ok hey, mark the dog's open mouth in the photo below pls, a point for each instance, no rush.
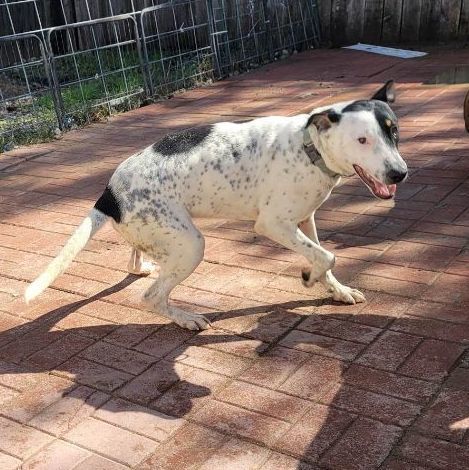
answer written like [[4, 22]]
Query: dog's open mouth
[[381, 190]]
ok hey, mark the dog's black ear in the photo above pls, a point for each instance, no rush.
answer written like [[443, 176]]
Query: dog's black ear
[[386, 93], [323, 120]]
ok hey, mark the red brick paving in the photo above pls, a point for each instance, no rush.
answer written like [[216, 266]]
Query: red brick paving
[[286, 379]]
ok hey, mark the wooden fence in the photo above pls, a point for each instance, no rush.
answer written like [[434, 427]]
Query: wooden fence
[[342, 21], [393, 21]]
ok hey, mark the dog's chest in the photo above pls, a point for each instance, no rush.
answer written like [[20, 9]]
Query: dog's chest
[[299, 193]]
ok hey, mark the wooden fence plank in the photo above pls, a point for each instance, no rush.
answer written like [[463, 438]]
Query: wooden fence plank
[[411, 20], [463, 29], [121, 6], [339, 22], [373, 20], [426, 32], [435, 19], [392, 17], [325, 9], [69, 11], [355, 20], [450, 11], [354, 26]]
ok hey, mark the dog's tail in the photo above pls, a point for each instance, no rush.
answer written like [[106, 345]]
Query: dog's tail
[[90, 225]]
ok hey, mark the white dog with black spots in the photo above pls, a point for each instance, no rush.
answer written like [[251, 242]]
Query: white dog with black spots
[[275, 171]]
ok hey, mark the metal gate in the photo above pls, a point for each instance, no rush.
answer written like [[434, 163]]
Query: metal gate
[[248, 33], [58, 77], [97, 68], [177, 46]]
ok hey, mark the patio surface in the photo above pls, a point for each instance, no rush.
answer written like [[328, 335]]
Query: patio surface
[[286, 379]]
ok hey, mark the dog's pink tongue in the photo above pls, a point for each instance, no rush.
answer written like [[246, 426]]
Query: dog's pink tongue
[[382, 190]]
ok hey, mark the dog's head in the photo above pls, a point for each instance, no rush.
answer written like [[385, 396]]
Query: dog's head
[[362, 137]]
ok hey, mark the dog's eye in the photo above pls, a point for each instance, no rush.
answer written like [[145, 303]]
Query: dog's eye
[[362, 140]]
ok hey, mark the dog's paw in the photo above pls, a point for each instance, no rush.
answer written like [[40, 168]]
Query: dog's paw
[[191, 321], [347, 295]]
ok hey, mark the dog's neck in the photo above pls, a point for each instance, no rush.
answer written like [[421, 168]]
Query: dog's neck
[[315, 157]]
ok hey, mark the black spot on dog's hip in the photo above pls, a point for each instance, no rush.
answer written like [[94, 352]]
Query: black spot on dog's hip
[[181, 142], [108, 205]]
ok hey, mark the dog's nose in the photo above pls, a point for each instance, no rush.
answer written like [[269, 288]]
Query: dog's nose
[[396, 176]]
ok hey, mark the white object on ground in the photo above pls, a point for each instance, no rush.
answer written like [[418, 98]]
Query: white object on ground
[[401, 53]]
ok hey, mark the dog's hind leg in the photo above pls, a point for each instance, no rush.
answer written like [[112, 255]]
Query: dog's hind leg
[[340, 292], [178, 251], [138, 266]]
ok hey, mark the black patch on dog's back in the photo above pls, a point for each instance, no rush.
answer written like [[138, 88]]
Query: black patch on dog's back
[[382, 113], [181, 142], [108, 205]]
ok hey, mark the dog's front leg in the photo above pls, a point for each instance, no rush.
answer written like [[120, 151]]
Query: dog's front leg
[[288, 234], [340, 292]]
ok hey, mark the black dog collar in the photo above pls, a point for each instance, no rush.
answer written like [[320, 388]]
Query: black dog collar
[[316, 157]]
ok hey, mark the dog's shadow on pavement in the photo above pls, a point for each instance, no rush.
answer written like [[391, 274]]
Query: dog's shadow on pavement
[[329, 387]]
